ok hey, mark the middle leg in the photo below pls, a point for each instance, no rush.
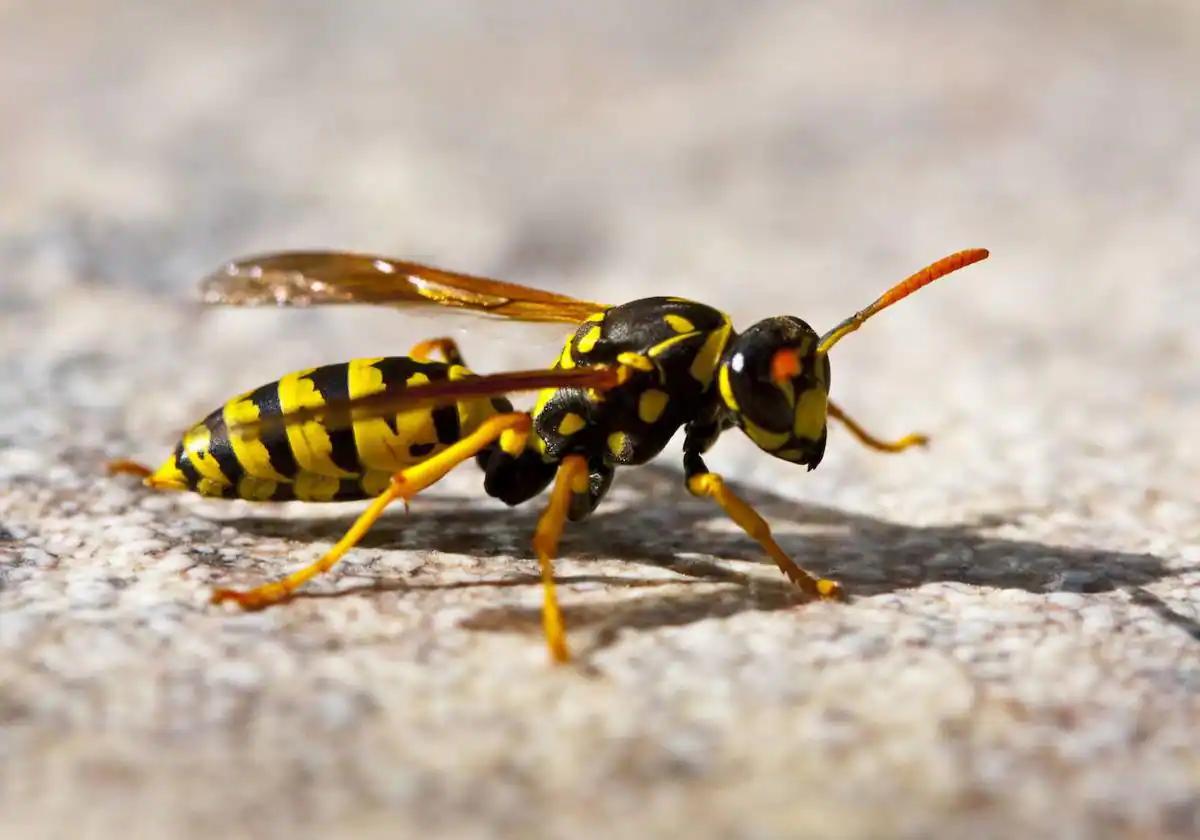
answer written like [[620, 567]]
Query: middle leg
[[701, 482], [446, 347], [570, 484]]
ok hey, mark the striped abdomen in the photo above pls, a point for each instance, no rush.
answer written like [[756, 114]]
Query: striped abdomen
[[308, 461]]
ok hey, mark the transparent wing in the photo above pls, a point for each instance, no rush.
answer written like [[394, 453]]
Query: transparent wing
[[309, 278]]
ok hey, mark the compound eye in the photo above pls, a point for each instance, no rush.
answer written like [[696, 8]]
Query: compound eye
[[758, 397]]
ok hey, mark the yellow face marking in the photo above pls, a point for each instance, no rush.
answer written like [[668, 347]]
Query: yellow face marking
[[618, 444], [705, 364], [587, 342], [764, 439], [810, 414], [250, 452], [570, 424], [309, 441], [651, 405], [595, 317], [679, 323], [636, 361], [255, 489], [314, 487], [726, 389]]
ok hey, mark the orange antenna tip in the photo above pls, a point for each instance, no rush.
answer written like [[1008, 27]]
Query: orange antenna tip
[[900, 291]]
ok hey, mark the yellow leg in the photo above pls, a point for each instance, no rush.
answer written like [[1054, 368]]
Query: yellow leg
[[447, 348], [867, 439], [404, 485], [711, 485], [572, 478], [124, 466]]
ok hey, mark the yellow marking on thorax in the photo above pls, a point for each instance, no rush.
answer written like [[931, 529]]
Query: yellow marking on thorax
[[250, 452], [636, 361], [664, 346], [651, 405], [705, 364], [570, 424], [566, 361], [679, 323], [587, 342], [810, 414], [309, 440]]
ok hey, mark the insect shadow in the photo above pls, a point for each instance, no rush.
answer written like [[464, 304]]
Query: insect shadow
[[654, 521]]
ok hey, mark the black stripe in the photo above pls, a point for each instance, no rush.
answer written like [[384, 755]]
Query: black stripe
[[445, 423], [349, 490], [184, 464], [333, 384], [397, 370], [274, 438], [420, 450], [221, 449]]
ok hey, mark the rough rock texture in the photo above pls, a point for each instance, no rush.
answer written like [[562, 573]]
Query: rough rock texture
[[1022, 655]]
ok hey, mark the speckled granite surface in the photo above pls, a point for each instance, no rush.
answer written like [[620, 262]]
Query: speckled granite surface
[[1022, 655]]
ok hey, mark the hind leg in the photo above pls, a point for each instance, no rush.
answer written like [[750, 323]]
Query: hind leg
[[404, 485], [124, 466], [447, 348]]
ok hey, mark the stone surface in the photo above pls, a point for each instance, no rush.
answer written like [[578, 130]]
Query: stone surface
[[1021, 654]]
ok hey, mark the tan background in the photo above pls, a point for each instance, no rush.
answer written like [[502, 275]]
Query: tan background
[[1021, 658]]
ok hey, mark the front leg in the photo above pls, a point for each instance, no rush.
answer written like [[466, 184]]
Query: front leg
[[871, 441], [701, 482]]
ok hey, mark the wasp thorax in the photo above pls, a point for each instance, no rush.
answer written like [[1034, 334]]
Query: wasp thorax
[[775, 384]]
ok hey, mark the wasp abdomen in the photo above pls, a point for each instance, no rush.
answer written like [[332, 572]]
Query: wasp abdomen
[[312, 460]]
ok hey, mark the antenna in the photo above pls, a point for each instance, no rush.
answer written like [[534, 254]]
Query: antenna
[[900, 291]]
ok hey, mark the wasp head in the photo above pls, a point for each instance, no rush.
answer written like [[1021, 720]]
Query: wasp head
[[776, 385]]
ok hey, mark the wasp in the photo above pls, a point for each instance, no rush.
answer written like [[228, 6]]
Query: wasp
[[628, 378]]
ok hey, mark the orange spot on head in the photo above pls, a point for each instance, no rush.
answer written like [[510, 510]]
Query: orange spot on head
[[785, 365]]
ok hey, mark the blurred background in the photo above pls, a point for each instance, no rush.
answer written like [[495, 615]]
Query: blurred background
[[763, 157]]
